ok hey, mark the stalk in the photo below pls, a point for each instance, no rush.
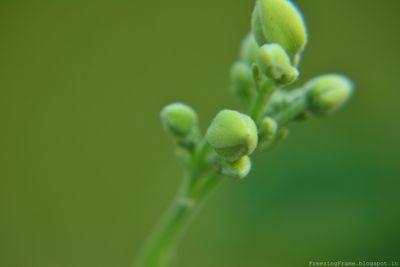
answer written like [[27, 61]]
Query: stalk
[[196, 186], [298, 106]]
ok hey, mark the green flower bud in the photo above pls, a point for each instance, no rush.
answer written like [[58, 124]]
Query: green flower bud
[[328, 93], [242, 81], [268, 131], [279, 21], [236, 169], [275, 64], [179, 120], [249, 49], [232, 135]]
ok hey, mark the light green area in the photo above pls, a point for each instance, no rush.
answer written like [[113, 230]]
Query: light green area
[[237, 169], [275, 63], [277, 21], [179, 120], [328, 93], [232, 134]]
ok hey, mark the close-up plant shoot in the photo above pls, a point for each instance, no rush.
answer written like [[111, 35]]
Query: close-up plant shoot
[[263, 80]]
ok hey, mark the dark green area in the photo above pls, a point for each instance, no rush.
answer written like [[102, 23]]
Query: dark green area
[[86, 170]]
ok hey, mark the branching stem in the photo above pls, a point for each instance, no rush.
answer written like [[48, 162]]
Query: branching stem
[[265, 89], [199, 181], [297, 107]]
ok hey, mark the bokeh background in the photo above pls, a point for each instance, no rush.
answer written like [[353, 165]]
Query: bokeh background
[[86, 170]]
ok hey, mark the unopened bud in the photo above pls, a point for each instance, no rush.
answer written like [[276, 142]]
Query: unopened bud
[[328, 93], [232, 135], [268, 131], [276, 65], [236, 169], [242, 81], [179, 120], [279, 21], [249, 49]]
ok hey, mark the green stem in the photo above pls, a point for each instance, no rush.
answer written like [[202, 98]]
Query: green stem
[[259, 106], [196, 186], [265, 88], [297, 107]]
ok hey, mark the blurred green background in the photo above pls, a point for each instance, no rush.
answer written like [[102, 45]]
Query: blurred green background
[[86, 170]]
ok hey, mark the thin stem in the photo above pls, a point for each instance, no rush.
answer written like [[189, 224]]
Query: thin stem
[[197, 184], [297, 107], [265, 88], [160, 248], [259, 106]]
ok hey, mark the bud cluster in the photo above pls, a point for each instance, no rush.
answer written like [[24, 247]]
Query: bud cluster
[[268, 63]]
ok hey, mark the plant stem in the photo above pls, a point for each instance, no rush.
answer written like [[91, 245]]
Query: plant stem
[[196, 186], [259, 106], [265, 88], [297, 107]]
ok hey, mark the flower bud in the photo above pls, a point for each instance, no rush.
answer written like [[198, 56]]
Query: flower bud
[[236, 169], [268, 131], [275, 64], [279, 21], [328, 93], [242, 81], [179, 120], [232, 135], [249, 49]]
